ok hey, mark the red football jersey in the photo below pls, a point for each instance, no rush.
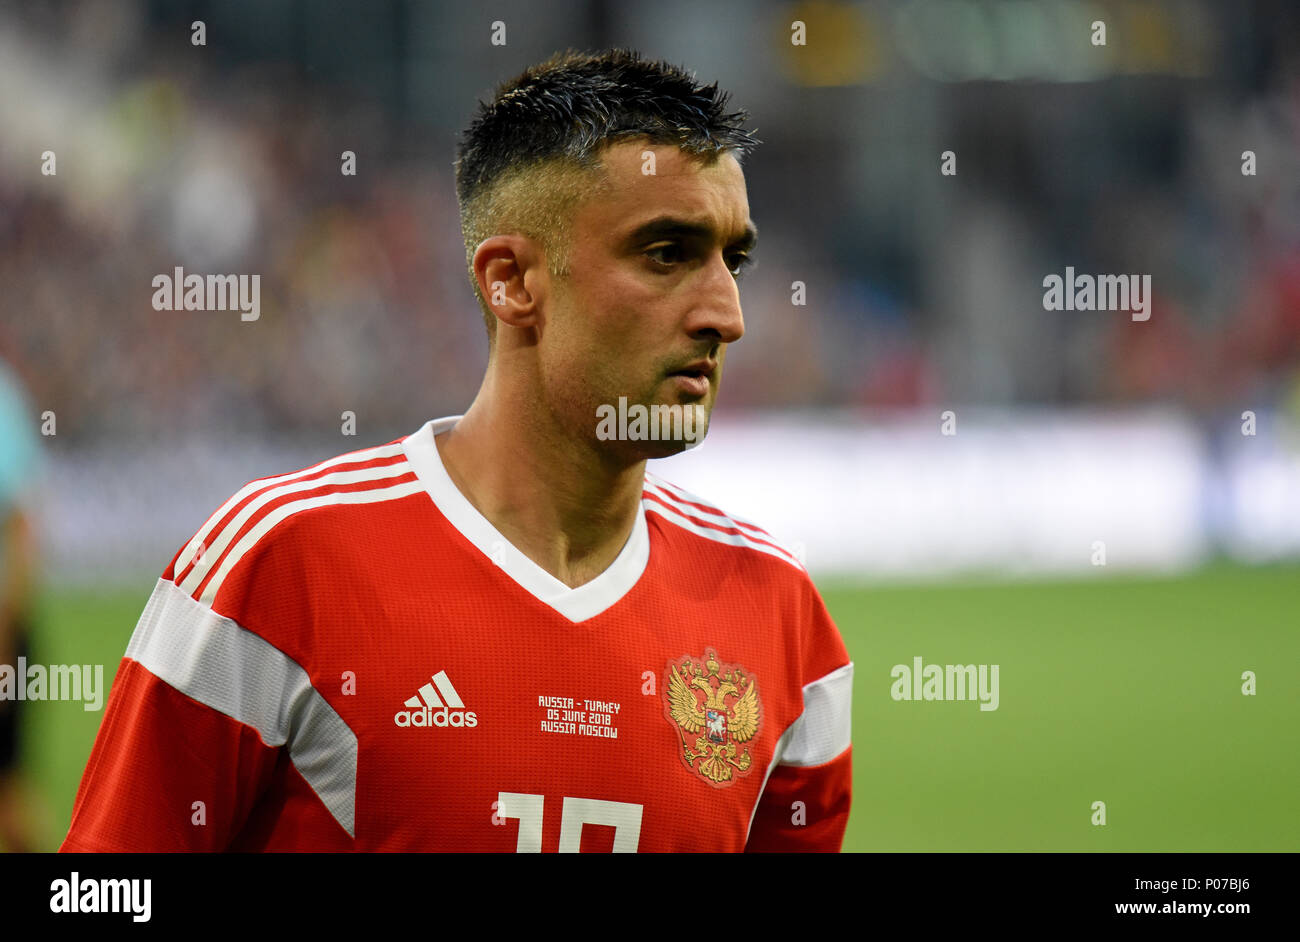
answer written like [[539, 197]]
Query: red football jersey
[[351, 657]]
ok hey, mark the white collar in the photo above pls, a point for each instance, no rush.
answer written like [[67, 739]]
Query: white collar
[[587, 600]]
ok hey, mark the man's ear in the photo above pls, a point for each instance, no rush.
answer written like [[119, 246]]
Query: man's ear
[[506, 267]]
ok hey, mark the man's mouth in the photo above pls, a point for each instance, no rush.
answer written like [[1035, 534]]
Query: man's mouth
[[693, 379], [700, 369]]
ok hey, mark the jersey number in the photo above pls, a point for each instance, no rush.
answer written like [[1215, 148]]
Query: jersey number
[[624, 818]]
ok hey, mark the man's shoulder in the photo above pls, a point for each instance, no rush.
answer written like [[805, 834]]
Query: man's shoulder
[[281, 510], [706, 525]]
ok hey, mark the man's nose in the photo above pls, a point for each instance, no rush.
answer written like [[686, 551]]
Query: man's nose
[[718, 314]]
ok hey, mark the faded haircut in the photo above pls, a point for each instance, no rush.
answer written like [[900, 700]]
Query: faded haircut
[[532, 153]]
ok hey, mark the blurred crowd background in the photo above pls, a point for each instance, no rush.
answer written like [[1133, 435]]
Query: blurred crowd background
[[922, 289]]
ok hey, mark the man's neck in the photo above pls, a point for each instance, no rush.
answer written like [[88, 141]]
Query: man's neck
[[555, 500]]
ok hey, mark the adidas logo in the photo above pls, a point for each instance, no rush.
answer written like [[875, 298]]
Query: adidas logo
[[428, 709]]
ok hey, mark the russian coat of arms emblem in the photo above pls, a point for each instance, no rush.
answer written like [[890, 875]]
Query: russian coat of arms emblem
[[716, 712]]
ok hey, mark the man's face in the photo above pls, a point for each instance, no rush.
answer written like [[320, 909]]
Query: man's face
[[650, 302]]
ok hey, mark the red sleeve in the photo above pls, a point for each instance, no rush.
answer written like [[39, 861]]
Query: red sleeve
[[804, 808], [805, 802], [166, 773]]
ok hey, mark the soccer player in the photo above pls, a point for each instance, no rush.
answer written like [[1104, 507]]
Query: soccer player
[[500, 632]]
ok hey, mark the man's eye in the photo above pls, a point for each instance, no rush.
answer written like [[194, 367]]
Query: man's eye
[[672, 253], [738, 262], [669, 254]]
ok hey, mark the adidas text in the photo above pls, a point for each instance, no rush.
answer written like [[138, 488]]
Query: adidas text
[[441, 718]]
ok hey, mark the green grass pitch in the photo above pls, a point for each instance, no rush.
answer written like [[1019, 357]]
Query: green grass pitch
[[1121, 690]]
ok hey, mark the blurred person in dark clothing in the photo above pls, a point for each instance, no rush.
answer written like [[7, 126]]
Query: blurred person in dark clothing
[[18, 456]]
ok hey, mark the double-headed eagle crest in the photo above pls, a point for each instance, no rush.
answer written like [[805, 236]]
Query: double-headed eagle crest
[[715, 705]]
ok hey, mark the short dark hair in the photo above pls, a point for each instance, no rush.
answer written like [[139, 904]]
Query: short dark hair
[[556, 117]]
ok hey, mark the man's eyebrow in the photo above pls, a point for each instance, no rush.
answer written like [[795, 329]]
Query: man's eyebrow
[[663, 227]]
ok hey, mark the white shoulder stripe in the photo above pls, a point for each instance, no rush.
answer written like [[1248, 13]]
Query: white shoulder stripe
[[672, 492], [823, 730], [211, 659], [732, 539], [213, 552], [264, 525], [252, 487]]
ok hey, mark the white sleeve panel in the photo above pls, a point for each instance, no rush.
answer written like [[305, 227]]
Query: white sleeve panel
[[213, 660], [822, 732]]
